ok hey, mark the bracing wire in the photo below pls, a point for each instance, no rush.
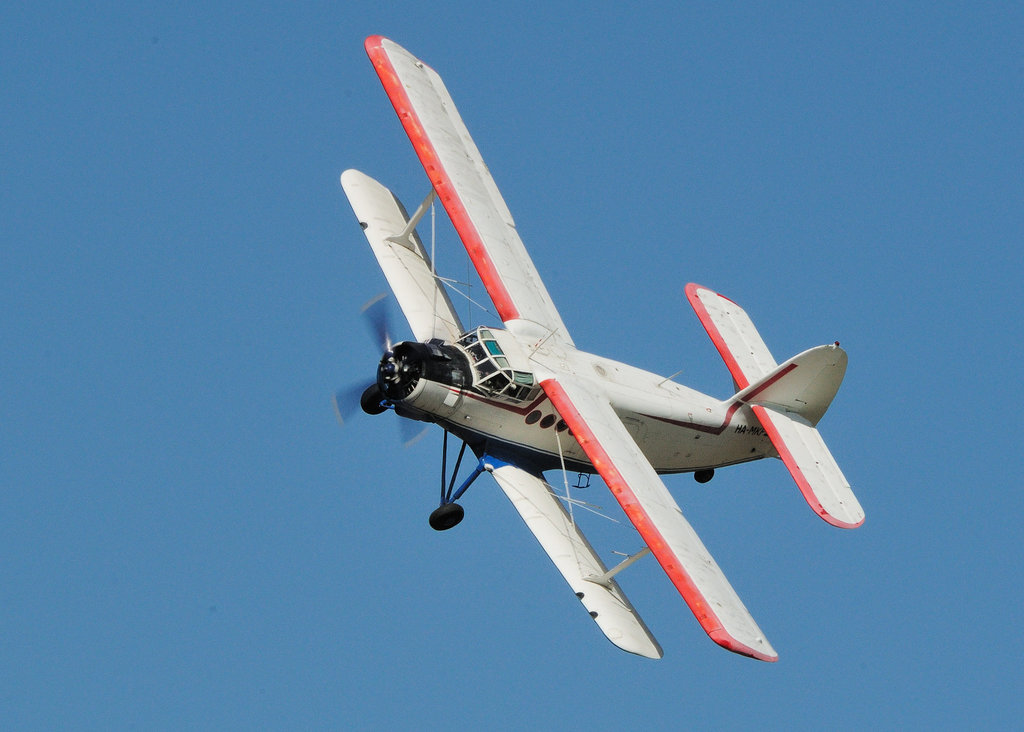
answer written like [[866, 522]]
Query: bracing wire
[[565, 478], [447, 281], [450, 284]]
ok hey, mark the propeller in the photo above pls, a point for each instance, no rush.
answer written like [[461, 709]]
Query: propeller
[[411, 431], [347, 400], [366, 395], [377, 316]]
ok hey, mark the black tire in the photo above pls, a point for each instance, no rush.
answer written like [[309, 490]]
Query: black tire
[[446, 516], [371, 400], [703, 476]]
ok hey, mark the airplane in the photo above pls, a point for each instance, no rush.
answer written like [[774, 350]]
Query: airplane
[[526, 400]]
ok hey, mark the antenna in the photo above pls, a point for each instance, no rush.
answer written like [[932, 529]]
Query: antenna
[[669, 378]]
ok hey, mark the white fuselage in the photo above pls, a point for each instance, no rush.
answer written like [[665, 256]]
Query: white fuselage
[[677, 428]]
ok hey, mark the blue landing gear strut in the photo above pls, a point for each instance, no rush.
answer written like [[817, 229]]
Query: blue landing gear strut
[[449, 513]]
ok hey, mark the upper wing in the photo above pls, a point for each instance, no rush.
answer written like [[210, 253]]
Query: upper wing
[[577, 561], [657, 517], [465, 187], [404, 261]]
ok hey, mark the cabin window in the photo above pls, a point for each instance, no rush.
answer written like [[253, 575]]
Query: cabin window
[[495, 376]]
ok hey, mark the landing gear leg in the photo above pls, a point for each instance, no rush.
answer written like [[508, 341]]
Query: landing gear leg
[[449, 513]]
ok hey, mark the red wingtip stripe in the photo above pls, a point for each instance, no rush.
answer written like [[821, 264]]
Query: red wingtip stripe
[[794, 469], [440, 179], [716, 337], [727, 641], [655, 541]]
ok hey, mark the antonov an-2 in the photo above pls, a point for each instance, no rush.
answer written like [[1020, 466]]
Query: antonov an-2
[[525, 400]]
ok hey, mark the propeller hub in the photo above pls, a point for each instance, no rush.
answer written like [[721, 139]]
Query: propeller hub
[[401, 368], [399, 371]]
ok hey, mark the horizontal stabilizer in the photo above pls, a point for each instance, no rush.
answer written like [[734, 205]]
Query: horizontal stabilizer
[[812, 466], [733, 334], [403, 259], [575, 558]]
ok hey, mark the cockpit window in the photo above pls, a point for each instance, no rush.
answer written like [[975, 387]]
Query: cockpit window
[[496, 377]]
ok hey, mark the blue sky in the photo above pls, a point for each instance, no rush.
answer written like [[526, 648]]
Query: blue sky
[[190, 540]]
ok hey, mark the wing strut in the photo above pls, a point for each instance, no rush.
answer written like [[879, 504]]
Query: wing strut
[[603, 579], [405, 238]]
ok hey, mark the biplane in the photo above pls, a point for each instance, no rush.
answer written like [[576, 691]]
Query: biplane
[[524, 399]]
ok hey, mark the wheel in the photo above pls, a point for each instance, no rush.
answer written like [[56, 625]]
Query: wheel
[[703, 476], [446, 516], [371, 400]]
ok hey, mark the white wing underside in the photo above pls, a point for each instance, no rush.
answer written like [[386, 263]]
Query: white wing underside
[[404, 260], [576, 560]]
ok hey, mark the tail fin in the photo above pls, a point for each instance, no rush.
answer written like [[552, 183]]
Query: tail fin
[[787, 399], [804, 385]]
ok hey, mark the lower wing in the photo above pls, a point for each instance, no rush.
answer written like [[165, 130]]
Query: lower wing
[[575, 558], [403, 259]]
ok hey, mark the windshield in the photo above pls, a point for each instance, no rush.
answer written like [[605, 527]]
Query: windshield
[[495, 376]]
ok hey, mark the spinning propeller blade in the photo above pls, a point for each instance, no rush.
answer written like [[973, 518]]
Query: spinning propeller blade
[[378, 320], [412, 432], [346, 401]]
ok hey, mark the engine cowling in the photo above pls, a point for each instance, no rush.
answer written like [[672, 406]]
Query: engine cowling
[[419, 376]]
